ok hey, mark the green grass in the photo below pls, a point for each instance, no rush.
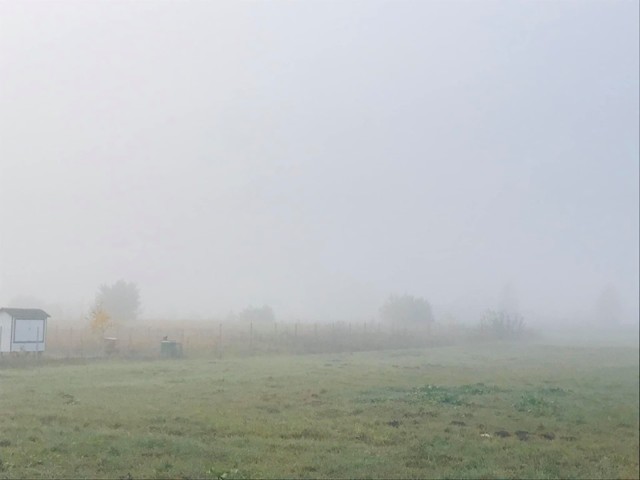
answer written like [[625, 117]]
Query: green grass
[[559, 413]]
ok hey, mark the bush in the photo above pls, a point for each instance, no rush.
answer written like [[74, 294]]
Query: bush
[[502, 325], [407, 310]]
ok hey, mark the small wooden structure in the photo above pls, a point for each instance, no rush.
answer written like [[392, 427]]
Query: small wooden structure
[[23, 329]]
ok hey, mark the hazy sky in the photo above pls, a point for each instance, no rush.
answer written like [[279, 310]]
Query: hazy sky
[[319, 155]]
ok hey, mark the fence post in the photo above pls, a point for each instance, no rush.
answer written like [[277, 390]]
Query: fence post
[[350, 341], [275, 334], [220, 341], [251, 336]]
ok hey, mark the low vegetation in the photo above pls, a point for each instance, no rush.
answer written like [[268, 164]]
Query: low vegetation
[[489, 411], [502, 325]]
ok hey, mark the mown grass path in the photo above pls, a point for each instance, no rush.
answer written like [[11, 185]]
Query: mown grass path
[[491, 411]]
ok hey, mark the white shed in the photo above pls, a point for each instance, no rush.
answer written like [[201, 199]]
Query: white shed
[[22, 329]]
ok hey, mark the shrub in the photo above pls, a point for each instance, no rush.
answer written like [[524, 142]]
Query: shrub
[[502, 325]]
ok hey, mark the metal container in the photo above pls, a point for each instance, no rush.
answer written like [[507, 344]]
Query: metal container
[[170, 349], [110, 345]]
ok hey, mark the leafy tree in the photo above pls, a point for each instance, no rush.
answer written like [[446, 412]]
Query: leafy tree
[[99, 319], [253, 314], [120, 301], [407, 309]]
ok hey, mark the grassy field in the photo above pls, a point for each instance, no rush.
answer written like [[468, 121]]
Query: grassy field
[[490, 411]]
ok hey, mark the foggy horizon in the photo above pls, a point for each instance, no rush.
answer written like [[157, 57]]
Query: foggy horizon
[[317, 157]]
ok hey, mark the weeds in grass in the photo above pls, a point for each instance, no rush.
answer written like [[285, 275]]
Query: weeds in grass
[[535, 404], [218, 474], [436, 394], [353, 421]]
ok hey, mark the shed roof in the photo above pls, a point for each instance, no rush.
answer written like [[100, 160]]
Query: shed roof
[[26, 313]]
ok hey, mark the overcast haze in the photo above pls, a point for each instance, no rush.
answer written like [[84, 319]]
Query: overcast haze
[[318, 156]]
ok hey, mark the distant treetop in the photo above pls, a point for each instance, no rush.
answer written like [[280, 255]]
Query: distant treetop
[[120, 301], [406, 309]]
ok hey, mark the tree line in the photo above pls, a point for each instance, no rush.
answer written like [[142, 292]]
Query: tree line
[[119, 303]]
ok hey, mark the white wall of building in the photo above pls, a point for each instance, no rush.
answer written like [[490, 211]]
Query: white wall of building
[[5, 332], [30, 334]]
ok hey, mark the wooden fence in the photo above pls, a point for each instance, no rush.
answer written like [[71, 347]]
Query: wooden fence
[[235, 338]]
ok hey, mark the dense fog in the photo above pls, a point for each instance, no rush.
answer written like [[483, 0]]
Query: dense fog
[[318, 157]]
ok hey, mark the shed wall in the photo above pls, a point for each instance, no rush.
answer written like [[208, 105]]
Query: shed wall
[[28, 335], [5, 332]]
